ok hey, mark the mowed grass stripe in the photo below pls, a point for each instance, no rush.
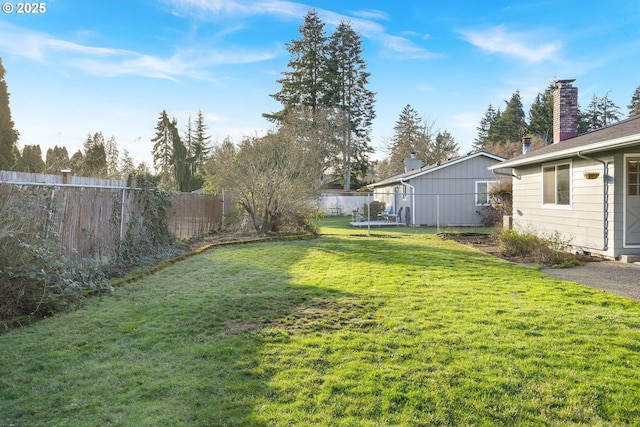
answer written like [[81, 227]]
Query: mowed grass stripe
[[390, 329]]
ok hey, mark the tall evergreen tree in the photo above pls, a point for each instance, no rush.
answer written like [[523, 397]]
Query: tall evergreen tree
[[197, 142], [590, 118], [304, 85], [541, 115], [634, 106], [31, 159], [163, 148], [201, 148], [352, 101], [609, 111], [76, 162], [412, 134], [57, 158], [179, 160], [327, 76], [8, 134], [127, 167], [484, 128], [511, 125], [95, 156], [443, 148], [188, 141], [600, 112], [112, 157]]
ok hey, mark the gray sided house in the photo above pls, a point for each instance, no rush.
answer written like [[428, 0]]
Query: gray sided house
[[451, 193], [584, 189]]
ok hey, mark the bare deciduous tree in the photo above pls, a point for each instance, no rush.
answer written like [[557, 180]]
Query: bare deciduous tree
[[274, 178]]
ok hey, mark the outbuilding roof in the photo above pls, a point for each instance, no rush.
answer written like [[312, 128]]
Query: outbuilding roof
[[618, 135]]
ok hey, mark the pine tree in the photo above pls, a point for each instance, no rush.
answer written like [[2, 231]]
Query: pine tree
[[541, 116], [304, 85], [600, 112], [443, 148], [634, 106], [592, 116], [327, 77], [76, 162], [179, 160], [95, 157], [351, 100], [511, 125], [199, 147], [57, 158], [609, 111], [412, 134], [163, 148], [127, 167], [484, 128], [8, 134], [111, 149], [31, 159]]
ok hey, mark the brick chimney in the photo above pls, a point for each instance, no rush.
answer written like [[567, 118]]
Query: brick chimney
[[565, 111]]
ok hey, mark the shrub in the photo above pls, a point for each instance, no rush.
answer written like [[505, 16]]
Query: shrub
[[147, 238], [36, 276], [501, 193], [376, 208], [551, 250]]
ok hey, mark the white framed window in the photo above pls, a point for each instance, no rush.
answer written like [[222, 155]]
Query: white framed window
[[556, 185], [404, 192], [482, 192]]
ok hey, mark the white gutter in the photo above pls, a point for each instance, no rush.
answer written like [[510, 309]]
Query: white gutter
[[512, 174], [595, 147], [413, 202]]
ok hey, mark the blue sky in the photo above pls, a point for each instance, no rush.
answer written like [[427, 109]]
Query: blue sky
[[86, 66]]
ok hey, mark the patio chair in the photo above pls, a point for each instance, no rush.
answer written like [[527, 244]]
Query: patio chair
[[385, 213], [397, 216]]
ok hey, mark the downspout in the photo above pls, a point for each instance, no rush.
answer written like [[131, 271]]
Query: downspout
[[413, 201], [605, 201]]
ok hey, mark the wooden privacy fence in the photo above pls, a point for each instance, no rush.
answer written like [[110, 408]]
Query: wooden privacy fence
[[194, 214], [92, 218]]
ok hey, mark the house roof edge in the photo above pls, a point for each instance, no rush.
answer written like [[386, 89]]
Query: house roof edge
[[569, 152], [425, 170]]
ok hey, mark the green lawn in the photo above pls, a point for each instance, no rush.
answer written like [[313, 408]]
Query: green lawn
[[345, 330]]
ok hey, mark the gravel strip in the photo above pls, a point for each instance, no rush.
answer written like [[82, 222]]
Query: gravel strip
[[610, 276]]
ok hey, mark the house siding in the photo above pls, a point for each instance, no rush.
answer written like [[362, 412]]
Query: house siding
[[444, 196], [582, 223]]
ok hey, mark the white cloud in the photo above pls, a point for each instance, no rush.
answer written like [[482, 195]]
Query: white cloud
[[524, 46], [362, 21], [371, 14], [111, 62], [405, 48], [223, 9]]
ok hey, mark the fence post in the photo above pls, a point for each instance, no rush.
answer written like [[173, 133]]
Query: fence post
[[122, 216], [369, 214], [223, 211], [437, 213]]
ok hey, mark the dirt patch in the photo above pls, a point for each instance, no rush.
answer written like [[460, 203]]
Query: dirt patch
[[489, 244]]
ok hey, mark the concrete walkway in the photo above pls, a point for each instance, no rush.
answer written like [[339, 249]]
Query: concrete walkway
[[611, 276]]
